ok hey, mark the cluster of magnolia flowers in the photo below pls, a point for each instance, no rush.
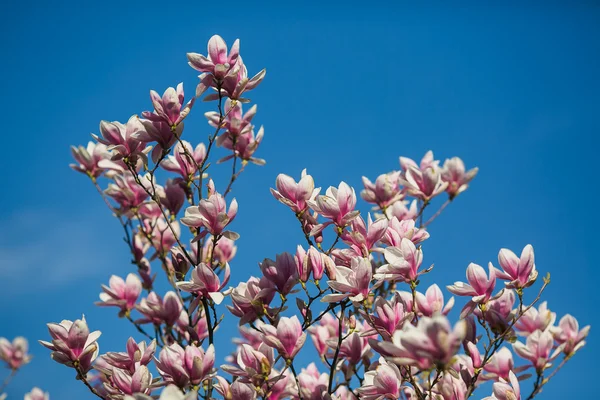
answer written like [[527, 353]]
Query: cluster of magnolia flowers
[[14, 355], [353, 285]]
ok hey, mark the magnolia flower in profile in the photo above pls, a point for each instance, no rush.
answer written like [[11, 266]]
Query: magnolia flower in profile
[[224, 252], [212, 215], [169, 108], [235, 122], [403, 229], [124, 383], [453, 173], [288, 338], [500, 365], [171, 392], [568, 335], [249, 299], [337, 205], [156, 310], [536, 349], [383, 383], [136, 354], [126, 192], [218, 61], [499, 311], [237, 82], [401, 211], [295, 195], [403, 263], [480, 287], [121, 293], [185, 159], [14, 354], [351, 282], [313, 384], [253, 365], [237, 390], [506, 389], [183, 367], [535, 319], [326, 328], [94, 160], [37, 394], [283, 272], [432, 302], [362, 239], [206, 283], [385, 190], [433, 342], [424, 184], [122, 139], [72, 344], [519, 271], [390, 316]]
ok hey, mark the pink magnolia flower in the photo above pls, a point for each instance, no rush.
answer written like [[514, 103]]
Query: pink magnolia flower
[[383, 383], [235, 122], [237, 390], [499, 311], [390, 316], [253, 365], [432, 302], [427, 161], [480, 287], [295, 195], [138, 382], [249, 299], [172, 195], [37, 394], [94, 160], [288, 338], [126, 191], [156, 310], [136, 354], [313, 385], [520, 272], [453, 173], [72, 344], [432, 342], [169, 108], [224, 252], [218, 62], [206, 283], [568, 335], [362, 239], [283, 272], [164, 134], [384, 192], [401, 211], [535, 319], [503, 390], [212, 215], [403, 229], [336, 205], [536, 349], [327, 328], [424, 184], [403, 263], [14, 354], [500, 365], [184, 367], [185, 159], [122, 139], [351, 282], [121, 293], [243, 146], [237, 82], [354, 347]]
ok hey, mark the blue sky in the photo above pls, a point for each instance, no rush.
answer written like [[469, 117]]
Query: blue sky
[[349, 88]]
